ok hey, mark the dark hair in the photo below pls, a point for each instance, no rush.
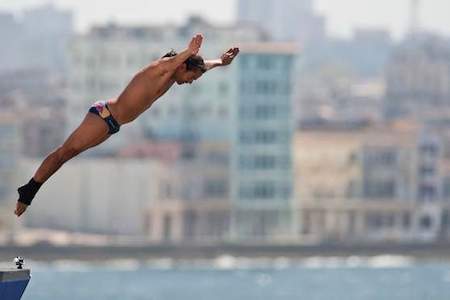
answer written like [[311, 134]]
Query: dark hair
[[192, 63]]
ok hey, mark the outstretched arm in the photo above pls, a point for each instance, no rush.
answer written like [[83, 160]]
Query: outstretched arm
[[171, 63], [224, 60]]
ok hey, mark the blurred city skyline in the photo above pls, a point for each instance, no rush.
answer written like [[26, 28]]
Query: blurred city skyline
[[324, 149], [341, 20], [345, 140]]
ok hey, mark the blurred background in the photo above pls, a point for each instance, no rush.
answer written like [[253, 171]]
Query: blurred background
[[316, 165]]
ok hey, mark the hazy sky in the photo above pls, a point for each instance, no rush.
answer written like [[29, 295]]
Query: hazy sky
[[343, 15]]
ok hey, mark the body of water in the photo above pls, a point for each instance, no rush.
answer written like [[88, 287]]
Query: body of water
[[228, 278]]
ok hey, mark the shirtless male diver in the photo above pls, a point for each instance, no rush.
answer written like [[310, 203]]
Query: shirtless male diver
[[105, 117]]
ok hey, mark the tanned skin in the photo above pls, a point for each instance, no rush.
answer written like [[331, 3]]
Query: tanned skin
[[145, 88]]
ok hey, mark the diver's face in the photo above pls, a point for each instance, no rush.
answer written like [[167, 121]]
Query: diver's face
[[183, 76]]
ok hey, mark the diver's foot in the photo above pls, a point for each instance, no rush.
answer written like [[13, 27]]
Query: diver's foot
[[20, 208]]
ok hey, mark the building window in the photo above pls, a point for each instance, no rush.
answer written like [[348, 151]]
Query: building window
[[167, 227], [273, 88], [385, 157], [245, 163], [406, 220], [265, 112], [429, 149], [286, 192], [264, 162], [259, 162], [425, 222], [427, 171], [374, 221], [218, 158], [353, 158], [247, 87], [285, 162], [190, 221], [245, 137], [264, 190], [352, 189], [445, 221], [245, 192], [380, 189], [262, 87], [427, 192], [265, 137], [306, 222], [258, 137], [265, 62], [165, 190], [216, 188]]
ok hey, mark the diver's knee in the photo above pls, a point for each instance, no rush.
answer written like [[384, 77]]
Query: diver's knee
[[66, 152]]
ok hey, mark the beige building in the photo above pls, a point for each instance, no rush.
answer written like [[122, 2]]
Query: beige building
[[364, 183], [193, 201], [183, 222]]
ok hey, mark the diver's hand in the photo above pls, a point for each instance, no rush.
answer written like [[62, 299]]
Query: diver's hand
[[195, 44], [228, 56]]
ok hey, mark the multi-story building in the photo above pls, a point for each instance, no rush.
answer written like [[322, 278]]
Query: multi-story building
[[104, 61], [261, 151], [194, 201], [370, 183], [418, 79], [104, 196]]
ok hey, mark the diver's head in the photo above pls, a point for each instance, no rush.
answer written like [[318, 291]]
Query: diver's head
[[191, 70]]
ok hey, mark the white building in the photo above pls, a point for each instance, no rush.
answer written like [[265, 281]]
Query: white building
[[106, 196]]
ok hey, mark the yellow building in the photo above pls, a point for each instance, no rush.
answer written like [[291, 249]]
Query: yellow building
[[356, 182]]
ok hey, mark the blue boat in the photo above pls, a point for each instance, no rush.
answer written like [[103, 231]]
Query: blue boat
[[13, 282]]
